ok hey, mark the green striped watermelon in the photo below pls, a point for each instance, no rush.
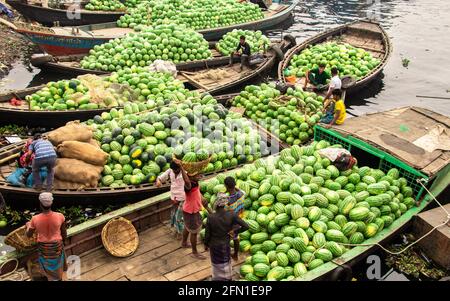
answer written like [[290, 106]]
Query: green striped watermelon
[[261, 270], [335, 235], [324, 254], [318, 240], [358, 213]]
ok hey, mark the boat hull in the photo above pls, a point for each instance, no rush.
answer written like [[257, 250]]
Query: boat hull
[[59, 118], [373, 28], [50, 16], [58, 45]]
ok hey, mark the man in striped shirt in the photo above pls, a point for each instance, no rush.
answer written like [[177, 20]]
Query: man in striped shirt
[[235, 204], [44, 156]]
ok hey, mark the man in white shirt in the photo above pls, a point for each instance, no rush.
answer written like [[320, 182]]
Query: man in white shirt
[[335, 82]]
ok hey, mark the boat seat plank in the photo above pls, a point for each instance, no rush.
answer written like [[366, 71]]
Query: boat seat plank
[[189, 269], [113, 276], [173, 259], [399, 133], [141, 264], [100, 257], [99, 272]]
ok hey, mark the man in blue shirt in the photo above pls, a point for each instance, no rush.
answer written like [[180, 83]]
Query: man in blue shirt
[[44, 156]]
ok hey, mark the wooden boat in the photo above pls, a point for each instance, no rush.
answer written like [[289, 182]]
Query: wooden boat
[[60, 41], [369, 147], [18, 196], [196, 75], [367, 35], [49, 16]]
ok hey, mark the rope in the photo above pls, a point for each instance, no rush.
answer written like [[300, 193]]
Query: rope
[[412, 244], [443, 208], [11, 276]]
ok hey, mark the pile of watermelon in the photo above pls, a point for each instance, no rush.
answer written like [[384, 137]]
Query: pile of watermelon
[[141, 144], [199, 14], [73, 94], [133, 3], [348, 59], [229, 42], [167, 42], [291, 117], [105, 5], [153, 88], [302, 210]]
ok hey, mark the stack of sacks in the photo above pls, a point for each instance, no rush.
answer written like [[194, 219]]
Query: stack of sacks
[[80, 160]]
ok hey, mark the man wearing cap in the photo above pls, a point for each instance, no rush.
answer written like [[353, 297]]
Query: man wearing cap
[[50, 228], [217, 238]]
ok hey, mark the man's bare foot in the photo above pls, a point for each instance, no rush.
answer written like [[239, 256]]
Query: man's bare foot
[[235, 257], [185, 245], [198, 256]]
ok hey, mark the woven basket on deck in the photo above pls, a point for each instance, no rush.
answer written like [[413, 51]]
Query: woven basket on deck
[[19, 240], [119, 237], [193, 168]]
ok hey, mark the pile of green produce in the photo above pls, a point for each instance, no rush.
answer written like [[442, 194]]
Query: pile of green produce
[[105, 5], [229, 42], [74, 214], [291, 117], [141, 146], [153, 88], [349, 60], [199, 14], [166, 42], [74, 94], [133, 3], [301, 210], [12, 129]]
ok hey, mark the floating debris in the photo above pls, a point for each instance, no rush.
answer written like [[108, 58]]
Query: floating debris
[[405, 62], [413, 262]]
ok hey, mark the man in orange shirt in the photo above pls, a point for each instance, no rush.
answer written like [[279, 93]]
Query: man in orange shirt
[[51, 232]]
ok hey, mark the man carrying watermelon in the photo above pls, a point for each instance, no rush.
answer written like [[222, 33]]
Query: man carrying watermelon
[[217, 238], [244, 55], [317, 77], [191, 214]]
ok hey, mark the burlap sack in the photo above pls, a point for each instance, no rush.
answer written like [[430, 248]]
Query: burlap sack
[[72, 170], [94, 143], [60, 184], [82, 151], [72, 131]]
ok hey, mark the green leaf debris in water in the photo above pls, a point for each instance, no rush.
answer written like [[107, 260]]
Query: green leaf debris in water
[[405, 62], [403, 128]]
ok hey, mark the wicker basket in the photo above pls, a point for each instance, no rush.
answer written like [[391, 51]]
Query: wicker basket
[[192, 168], [119, 237], [19, 240]]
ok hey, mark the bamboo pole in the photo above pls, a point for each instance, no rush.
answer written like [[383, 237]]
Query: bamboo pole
[[9, 24], [4, 160], [434, 97]]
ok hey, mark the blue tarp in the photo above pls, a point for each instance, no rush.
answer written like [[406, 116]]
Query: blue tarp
[[6, 11], [14, 178]]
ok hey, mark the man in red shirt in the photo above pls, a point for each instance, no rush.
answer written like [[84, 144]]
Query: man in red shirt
[[50, 228]]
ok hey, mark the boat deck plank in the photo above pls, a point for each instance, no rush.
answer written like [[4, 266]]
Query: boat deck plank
[[159, 257]]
